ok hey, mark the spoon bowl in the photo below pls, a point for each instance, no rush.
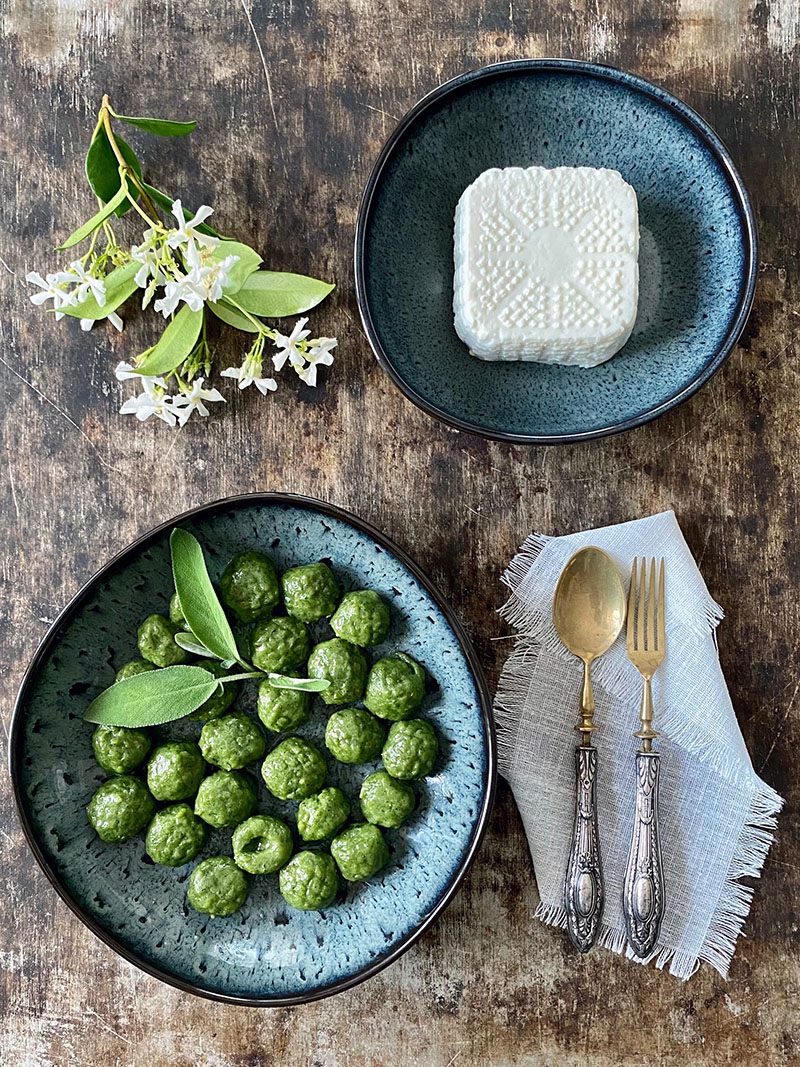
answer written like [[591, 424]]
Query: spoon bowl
[[589, 603]]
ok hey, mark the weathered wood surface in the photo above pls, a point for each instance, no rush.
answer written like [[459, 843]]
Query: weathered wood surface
[[487, 985]]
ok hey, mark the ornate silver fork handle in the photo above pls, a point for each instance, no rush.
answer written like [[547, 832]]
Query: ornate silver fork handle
[[643, 890], [583, 889]]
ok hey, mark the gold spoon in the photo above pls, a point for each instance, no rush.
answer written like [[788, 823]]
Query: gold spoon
[[588, 614]]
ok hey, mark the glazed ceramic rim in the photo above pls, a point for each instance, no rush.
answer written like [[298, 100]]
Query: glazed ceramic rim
[[490, 778], [606, 73]]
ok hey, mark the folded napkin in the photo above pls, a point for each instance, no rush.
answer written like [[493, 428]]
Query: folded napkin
[[717, 815]]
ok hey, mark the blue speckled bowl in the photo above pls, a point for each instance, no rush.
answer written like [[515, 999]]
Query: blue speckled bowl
[[697, 254], [267, 953]]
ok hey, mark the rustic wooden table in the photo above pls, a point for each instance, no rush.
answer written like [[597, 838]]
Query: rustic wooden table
[[294, 101]]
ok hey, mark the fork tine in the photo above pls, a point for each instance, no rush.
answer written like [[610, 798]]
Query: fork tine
[[631, 632], [662, 610], [651, 609], [640, 645]]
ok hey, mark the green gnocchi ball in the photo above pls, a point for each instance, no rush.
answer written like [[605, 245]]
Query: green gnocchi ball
[[385, 801], [321, 815], [217, 887], [119, 749], [310, 592], [219, 702], [174, 836], [410, 750], [309, 881], [225, 798], [249, 586], [395, 687], [294, 769], [120, 808], [343, 664], [174, 770], [354, 736], [279, 645], [232, 741], [362, 617], [282, 710], [360, 852], [176, 615], [156, 639], [136, 666], [262, 844]]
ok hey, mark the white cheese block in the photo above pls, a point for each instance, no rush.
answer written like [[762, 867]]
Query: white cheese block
[[546, 264]]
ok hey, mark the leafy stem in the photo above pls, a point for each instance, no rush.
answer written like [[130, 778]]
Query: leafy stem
[[125, 168]]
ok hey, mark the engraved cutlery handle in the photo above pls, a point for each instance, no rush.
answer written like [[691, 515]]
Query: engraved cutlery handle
[[583, 889], [643, 891]]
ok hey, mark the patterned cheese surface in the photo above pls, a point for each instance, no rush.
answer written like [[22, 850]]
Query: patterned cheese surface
[[546, 264]]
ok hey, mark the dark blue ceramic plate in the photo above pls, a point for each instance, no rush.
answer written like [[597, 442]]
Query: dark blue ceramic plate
[[267, 953], [697, 252]]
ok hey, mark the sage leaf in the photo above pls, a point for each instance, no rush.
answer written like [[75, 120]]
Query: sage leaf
[[199, 602], [248, 262], [120, 283], [153, 697], [163, 127], [230, 315], [165, 203], [176, 342], [275, 294], [189, 643], [96, 220], [102, 167], [303, 685]]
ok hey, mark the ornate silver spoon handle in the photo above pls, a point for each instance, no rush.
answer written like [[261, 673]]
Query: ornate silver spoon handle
[[643, 890], [583, 889]]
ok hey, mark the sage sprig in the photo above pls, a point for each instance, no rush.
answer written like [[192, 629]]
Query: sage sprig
[[156, 697], [199, 602], [188, 272]]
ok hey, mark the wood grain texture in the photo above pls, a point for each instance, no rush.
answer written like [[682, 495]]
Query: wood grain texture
[[293, 110]]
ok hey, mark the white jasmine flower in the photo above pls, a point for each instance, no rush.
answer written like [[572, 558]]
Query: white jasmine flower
[[124, 372], [146, 254], [51, 286], [171, 298], [113, 318], [318, 353], [250, 374], [151, 402], [288, 346], [87, 283], [186, 403], [186, 234], [219, 277]]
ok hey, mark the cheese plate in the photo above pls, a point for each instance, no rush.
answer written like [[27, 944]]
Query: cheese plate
[[697, 248]]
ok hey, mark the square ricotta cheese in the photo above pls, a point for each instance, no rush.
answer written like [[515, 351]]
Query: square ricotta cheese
[[546, 264]]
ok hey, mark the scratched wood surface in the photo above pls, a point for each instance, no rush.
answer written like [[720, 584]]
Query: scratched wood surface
[[294, 100]]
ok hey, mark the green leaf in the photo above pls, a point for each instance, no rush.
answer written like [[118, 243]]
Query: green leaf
[[303, 685], [177, 341], [275, 294], [232, 316], [199, 603], [153, 697], [120, 284], [96, 220], [165, 203], [249, 260], [102, 167], [189, 643], [163, 127]]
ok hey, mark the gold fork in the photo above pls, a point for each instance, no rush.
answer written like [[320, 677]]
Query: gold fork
[[643, 890]]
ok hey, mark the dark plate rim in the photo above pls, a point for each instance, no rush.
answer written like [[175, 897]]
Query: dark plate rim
[[688, 116], [16, 739]]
